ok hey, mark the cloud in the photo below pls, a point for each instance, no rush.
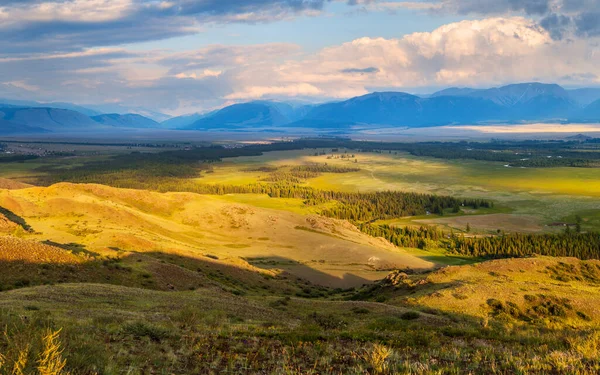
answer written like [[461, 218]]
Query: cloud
[[371, 69], [477, 53], [562, 18], [69, 25]]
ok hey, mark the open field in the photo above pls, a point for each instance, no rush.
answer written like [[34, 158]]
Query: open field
[[548, 194]]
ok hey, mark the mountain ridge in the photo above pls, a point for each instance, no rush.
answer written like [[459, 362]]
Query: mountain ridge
[[514, 103]]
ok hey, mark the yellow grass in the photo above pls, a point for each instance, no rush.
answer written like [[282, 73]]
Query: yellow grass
[[328, 251]]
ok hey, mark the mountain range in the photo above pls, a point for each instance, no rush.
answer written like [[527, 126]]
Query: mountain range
[[517, 103], [525, 102]]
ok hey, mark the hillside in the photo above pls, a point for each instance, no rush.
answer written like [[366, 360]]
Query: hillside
[[123, 275], [518, 288], [444, 325], [325, 251]]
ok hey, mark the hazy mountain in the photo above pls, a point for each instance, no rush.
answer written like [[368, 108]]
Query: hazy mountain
[[49, 119], [183, 121], [591, 112], [401, 109], [506, 104], [122, 110], [58, 105], [454, 91], [9, 127], [250, 114], [129, 120], [584, 97]]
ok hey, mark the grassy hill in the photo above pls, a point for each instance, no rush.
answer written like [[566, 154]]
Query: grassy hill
[[112, 222], [418, 329]]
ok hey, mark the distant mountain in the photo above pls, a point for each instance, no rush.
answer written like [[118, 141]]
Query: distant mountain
[[129, 120], [516, 103], [523, 101], [9, 127], [183, 121], [122, 110], [509, 104], [71, 107], [252, 114], [57, 105], [591, 112], [455, 91], [48, 119], [584, 97], [401, 109]]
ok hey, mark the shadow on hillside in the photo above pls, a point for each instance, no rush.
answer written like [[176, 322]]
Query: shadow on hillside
[[75, 248], [11, 216], [163, 271], [306, 272]]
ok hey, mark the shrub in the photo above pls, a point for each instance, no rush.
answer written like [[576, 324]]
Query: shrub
[[328, 321], [410, 315], [360, 310], [141, 329]]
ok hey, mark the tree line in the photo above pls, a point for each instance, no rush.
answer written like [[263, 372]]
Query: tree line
[[513, 245]]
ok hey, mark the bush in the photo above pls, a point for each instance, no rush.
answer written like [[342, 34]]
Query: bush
[[141, 329], [410, 315], [360, 310], [328, 321]]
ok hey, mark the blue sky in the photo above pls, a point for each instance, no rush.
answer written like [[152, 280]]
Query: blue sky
[[184, 56], [339, 23]]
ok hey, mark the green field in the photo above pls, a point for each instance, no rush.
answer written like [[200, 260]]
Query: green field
[[548, 194]]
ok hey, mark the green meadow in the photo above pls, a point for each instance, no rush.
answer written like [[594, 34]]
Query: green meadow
[[547, 194]]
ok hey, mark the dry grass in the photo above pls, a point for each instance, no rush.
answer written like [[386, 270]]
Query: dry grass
[[14, 249], [103, 218], [542, 289], [9, 184]]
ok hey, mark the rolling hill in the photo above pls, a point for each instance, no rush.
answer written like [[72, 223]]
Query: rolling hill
[[325, 251]]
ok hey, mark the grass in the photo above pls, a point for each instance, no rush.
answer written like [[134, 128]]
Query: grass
[[212, 330], [544, 193], [115, 280], [114, 222]]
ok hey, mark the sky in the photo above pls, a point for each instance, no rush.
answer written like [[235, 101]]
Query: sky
[[187, 56]]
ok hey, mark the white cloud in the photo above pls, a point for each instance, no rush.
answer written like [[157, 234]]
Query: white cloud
[[468, 53], [257, 92]]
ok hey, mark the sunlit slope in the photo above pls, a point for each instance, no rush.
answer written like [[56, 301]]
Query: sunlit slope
[[106, 220], [542, 289], [9, 184]]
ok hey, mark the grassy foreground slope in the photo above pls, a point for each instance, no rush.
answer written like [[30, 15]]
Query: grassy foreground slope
[[110, 222], [109, 329]]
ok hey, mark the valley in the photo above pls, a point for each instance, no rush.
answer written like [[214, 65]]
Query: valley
[[320, 255]]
